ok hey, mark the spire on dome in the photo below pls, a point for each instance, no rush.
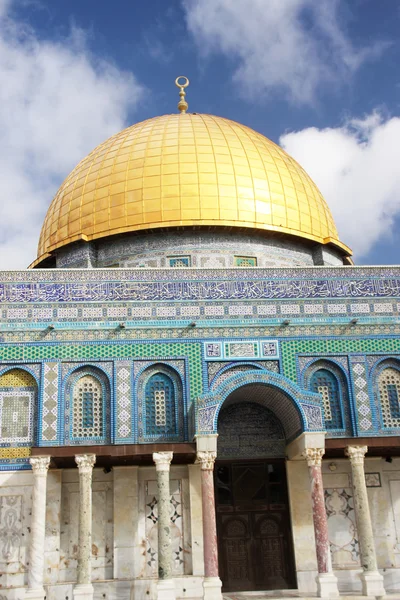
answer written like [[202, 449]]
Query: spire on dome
[[182, 104]]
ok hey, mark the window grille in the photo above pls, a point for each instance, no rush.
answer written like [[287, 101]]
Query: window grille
[[326, 384], [389, 395], [245, 261], [160, 405], [87, 417], [179, 261]]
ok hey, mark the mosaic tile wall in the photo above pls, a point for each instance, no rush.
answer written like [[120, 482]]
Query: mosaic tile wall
[[208, 326]]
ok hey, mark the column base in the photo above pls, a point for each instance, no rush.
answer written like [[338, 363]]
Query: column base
[[327, 585], [212, 588], [83, 591], [37, 594], [372, 583], [166, 589]]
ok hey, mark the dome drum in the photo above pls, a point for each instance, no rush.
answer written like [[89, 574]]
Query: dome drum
[[200, 248]]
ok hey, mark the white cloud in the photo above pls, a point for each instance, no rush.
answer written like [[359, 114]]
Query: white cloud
[[290, 46], [57, 102], [357, 170]]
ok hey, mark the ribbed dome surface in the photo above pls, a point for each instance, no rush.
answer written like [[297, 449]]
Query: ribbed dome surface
[[185, 170]]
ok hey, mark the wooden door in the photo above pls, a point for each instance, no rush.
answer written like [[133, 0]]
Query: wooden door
[[254, 536]]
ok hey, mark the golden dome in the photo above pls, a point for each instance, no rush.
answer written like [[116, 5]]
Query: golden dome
[[186, 170]]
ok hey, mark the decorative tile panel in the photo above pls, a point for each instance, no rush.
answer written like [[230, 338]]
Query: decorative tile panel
[[124, 401], [243, 350], [50, 403], [365, 417], [16, 415]]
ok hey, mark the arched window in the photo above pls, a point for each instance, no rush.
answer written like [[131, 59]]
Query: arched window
[[87, 414], [18, 395], [326, 384], [87, 406], [160, 409], [389, 396]]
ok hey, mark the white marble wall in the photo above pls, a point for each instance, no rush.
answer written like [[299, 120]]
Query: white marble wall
[[384, 498], [123, 528], [15, 512], [102, 533], [123, 532]]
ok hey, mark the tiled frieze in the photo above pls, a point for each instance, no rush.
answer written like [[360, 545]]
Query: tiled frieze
[[134, 284], [50, 402], [220, 309], [172, 331]]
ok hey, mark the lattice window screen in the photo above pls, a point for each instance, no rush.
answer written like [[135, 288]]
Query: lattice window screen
[[326, 384], [18, 393], [87, 416], [160, 405], [389, 394]]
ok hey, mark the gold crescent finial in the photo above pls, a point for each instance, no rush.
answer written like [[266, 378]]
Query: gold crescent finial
[[182, 104]]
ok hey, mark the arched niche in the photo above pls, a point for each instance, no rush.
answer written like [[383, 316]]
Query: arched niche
[[87, 407]]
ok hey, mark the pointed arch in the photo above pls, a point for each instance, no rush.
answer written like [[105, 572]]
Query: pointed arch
[[298, 410], [327, 378], [87, 406], [159, 392], [386, 385]]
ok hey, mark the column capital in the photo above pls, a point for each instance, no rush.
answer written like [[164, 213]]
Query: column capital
[[40, 464], [314, 456], [356, 454], [162, 460], [206, 459], [85, 462]]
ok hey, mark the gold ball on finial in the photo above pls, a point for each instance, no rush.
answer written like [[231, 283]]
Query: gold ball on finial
[[182, 104]]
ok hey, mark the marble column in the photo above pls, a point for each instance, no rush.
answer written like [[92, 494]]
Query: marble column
[[372, 580], [166, 584], [40, 466], [84, 589], [212, 583], [326, 580]]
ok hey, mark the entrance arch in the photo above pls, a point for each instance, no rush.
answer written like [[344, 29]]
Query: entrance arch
[[298, 410], [253, 521]]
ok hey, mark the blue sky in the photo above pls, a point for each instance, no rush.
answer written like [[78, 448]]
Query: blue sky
[[320, 78]]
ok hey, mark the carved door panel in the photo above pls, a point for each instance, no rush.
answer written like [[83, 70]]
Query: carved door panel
[[236, 558], [272, 559], [253, 523]]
